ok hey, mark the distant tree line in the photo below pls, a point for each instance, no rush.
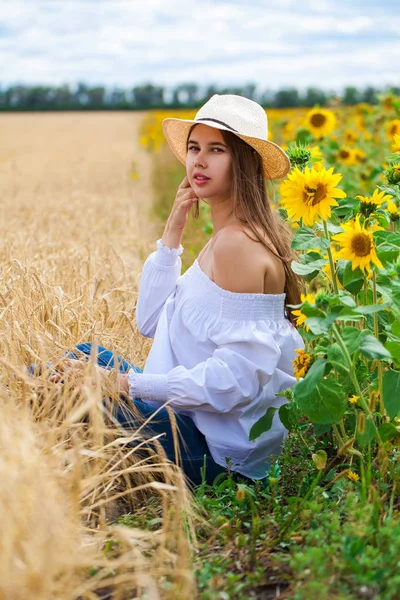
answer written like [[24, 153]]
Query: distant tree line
[[187, 95]]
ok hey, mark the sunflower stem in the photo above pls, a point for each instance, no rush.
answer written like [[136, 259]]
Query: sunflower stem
[[376, 331], [365, 300], [334, 282], [354, 379]]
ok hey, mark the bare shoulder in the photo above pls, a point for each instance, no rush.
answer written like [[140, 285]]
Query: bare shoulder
[[244, 265], [237, 266]]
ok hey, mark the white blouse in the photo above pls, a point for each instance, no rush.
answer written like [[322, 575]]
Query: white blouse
[[218, 356]]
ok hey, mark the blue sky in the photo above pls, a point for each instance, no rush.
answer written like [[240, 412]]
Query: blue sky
[[272, 43]]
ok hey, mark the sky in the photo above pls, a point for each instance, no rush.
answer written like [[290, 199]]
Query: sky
[[273, 44]]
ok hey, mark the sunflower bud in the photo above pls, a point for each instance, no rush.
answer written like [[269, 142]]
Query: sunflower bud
[[392, 174], [367, 208], [321, 299], [299, 155]]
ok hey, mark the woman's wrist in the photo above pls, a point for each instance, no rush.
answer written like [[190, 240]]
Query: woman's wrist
[[123, 383], [171, 238], [115, 381]]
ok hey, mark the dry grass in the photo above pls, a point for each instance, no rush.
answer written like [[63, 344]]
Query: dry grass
[[74, 232]]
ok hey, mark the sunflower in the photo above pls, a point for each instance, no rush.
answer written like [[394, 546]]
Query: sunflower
[[393, 128], [359, 155], [311, 194], [374, 201], [387, 101], [357, 245], [320, 122], [301, 363], [396, 143], [310, 298], [350, 136], [393, 211], [360, 122], [349, 156], [363, 108]]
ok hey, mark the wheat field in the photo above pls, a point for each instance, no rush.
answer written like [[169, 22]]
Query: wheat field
[[74, 232]]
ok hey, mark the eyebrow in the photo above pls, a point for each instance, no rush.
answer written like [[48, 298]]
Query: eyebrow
[[210, 143]]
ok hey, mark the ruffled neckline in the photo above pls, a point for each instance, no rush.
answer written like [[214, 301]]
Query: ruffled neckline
[[203, 293]]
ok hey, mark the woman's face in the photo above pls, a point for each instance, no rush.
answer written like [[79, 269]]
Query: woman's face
[[209, 155]]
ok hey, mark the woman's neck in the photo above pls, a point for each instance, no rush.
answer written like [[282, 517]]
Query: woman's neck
[[223, 224]]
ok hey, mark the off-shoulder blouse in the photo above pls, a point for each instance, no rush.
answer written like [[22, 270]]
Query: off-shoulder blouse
[[218, 356]]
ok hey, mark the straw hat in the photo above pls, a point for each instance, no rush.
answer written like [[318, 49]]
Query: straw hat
[[244, 117]]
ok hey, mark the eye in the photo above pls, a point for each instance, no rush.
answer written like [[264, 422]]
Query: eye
[[196, 147]]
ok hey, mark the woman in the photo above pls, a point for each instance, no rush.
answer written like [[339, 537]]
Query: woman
[[224, 339]]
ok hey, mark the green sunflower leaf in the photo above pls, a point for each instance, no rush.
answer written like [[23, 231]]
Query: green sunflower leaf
[[352, 337], [372, 348], [387, 238], [306, 269], [325, 404], [287, 416], [387, 431], [351, 280], [306, 238], [264, 424], [311, 380], [391, 392]]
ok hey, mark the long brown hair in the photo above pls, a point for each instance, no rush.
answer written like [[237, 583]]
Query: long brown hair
[[251, 207]]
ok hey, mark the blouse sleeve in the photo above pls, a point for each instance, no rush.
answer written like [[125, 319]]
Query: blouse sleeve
[[238, 368], [160, 273]]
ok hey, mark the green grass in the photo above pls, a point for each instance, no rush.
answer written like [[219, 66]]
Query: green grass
[[256, 541]]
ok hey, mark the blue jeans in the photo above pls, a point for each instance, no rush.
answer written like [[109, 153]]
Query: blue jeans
[[194, 452]]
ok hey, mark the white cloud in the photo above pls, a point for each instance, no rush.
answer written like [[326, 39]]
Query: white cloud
[[273, 43]]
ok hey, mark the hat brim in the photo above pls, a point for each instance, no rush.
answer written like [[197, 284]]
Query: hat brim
[[276, 163]]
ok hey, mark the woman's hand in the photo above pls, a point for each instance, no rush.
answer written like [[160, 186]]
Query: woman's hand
[[185, 198], [67, 370], [72, 370]]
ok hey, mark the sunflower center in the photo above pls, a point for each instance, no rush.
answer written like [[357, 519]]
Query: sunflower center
[[361, 244], [313, 196], [393, 129], [344, 154], [317, 120]]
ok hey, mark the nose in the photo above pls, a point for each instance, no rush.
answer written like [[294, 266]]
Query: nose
[[199, 159]]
